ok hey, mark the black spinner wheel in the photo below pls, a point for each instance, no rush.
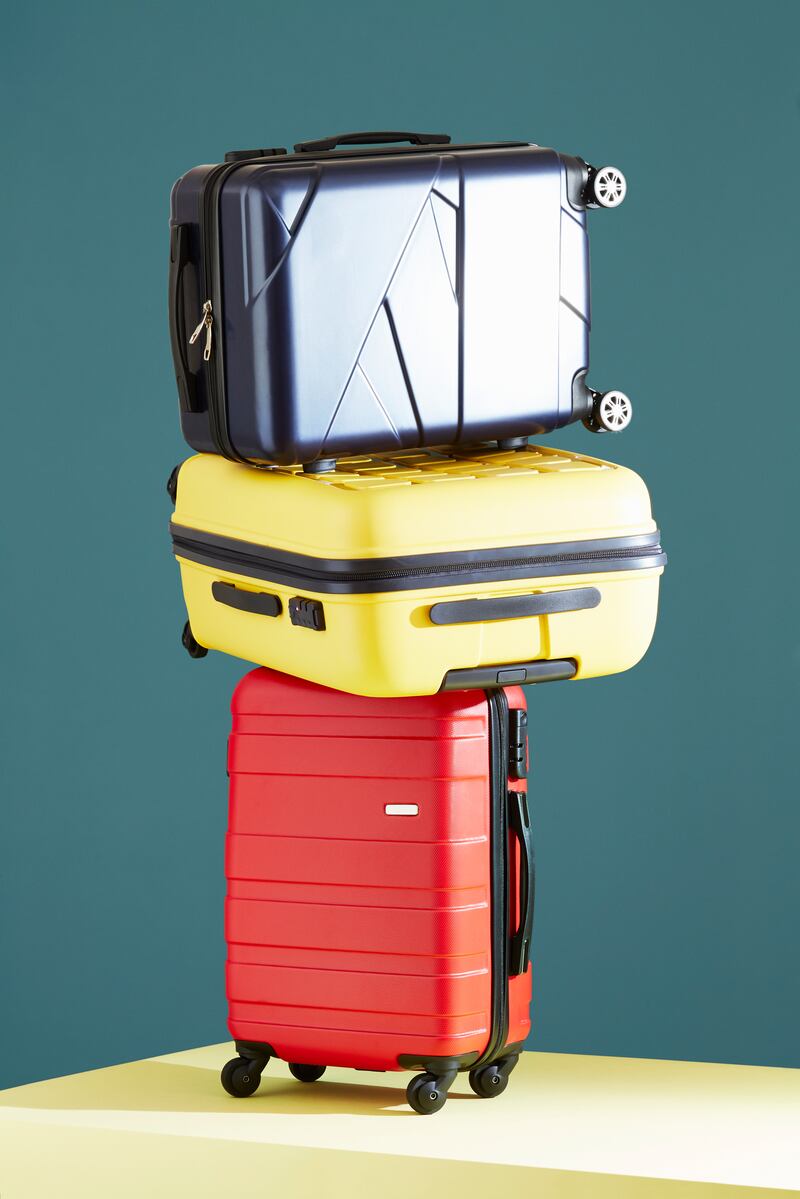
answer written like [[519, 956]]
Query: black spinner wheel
[[241, 1077], [305, 1073]]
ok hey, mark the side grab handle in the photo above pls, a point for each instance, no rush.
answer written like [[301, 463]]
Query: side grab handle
[[514, 606], [519, 954], [178, 259], [370, 139], [259, 602]]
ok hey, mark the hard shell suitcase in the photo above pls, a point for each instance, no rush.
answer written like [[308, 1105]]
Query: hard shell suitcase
[[339, 301], [421, 570], [380, 885]]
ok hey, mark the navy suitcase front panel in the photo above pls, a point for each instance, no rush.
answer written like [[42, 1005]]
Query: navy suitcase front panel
[[418, 299]]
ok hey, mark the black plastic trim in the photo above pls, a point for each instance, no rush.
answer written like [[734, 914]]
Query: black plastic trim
[[519, 950], [437, 1065], [307, 613], [370, 139], [518, 743], [255, 1050], [365, 575], [512, 607], [246, 155], [440, 148], [498, 849], [260, 603], [513, 1049], [512, 674]]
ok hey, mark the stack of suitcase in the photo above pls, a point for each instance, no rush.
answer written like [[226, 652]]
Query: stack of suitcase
[[365, 335]]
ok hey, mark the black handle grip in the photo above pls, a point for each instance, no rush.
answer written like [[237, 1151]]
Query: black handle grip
[[519, 951], [514, 606], [178, 259], [259, 602], [370, 139], [544, 670]]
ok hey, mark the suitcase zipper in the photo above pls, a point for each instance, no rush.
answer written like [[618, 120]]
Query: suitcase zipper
[[209, 240], [206, 322], [643, 551]]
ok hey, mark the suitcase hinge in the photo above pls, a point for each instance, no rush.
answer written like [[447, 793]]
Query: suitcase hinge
[[206, 321]]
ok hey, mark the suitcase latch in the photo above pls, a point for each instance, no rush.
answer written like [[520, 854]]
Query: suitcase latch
[[307, 613]]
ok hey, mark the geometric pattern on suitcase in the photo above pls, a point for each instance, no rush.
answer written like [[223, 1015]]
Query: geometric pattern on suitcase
[[412, 467], [465, 287]]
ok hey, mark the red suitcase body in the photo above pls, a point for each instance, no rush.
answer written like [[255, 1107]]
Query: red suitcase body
[[380, 884]]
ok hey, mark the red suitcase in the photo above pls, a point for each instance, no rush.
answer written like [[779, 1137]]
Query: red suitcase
[[380, 885]]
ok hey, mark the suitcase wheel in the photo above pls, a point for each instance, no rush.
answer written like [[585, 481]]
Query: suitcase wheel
[[240, 1076], [305, 1073], [607, 188], [611, 412], [427, 1094], [193, 648], [488, 1081]]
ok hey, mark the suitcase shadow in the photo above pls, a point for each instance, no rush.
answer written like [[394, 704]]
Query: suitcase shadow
[[153, 1086]]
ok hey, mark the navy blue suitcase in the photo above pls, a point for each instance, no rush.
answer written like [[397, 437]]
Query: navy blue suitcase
[[340, 301]]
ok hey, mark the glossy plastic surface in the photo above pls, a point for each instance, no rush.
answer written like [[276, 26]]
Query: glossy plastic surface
[[407, 300], [356, 936], [417, 503]]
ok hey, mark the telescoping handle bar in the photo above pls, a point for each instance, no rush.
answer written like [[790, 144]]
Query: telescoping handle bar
[[520, 945]]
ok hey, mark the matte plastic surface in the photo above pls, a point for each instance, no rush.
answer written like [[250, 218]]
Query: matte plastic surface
[[354, 935], [569, 1127], [386, 643], [380, 303]]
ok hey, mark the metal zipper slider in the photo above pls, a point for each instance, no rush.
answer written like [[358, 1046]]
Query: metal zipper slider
[[206, 321]]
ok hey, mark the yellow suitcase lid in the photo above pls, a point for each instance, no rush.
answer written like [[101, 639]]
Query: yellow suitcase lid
[[415, 501]]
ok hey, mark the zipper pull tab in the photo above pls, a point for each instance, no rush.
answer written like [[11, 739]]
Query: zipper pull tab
[[206, 321]]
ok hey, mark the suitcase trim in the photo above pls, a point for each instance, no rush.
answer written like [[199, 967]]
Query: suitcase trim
[[510, 674], [354, 576], [499, 739]]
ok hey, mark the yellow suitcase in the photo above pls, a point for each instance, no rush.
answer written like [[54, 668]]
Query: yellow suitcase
[[407, 573]]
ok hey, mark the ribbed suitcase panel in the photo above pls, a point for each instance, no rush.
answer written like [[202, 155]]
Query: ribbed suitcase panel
[[345, 808], [451, 994], [375, 962], [453, 931], [359, 864], [356, 934], [349, 756]]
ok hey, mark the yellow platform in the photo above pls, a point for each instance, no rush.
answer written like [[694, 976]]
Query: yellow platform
[[605, 1128]]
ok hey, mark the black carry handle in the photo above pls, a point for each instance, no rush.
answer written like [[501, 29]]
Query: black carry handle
[[369, 139], [259, 602], [519, 951], [511, 607], [178, 259], [542, 670]]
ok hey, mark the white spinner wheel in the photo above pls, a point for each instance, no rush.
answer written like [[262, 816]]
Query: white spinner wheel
[[614, 411], [609, 187]]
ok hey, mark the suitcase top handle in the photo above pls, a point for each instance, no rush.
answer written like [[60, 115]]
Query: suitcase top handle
[[369, 139]]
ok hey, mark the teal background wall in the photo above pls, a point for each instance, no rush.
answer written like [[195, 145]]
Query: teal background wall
[[666, 800]]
